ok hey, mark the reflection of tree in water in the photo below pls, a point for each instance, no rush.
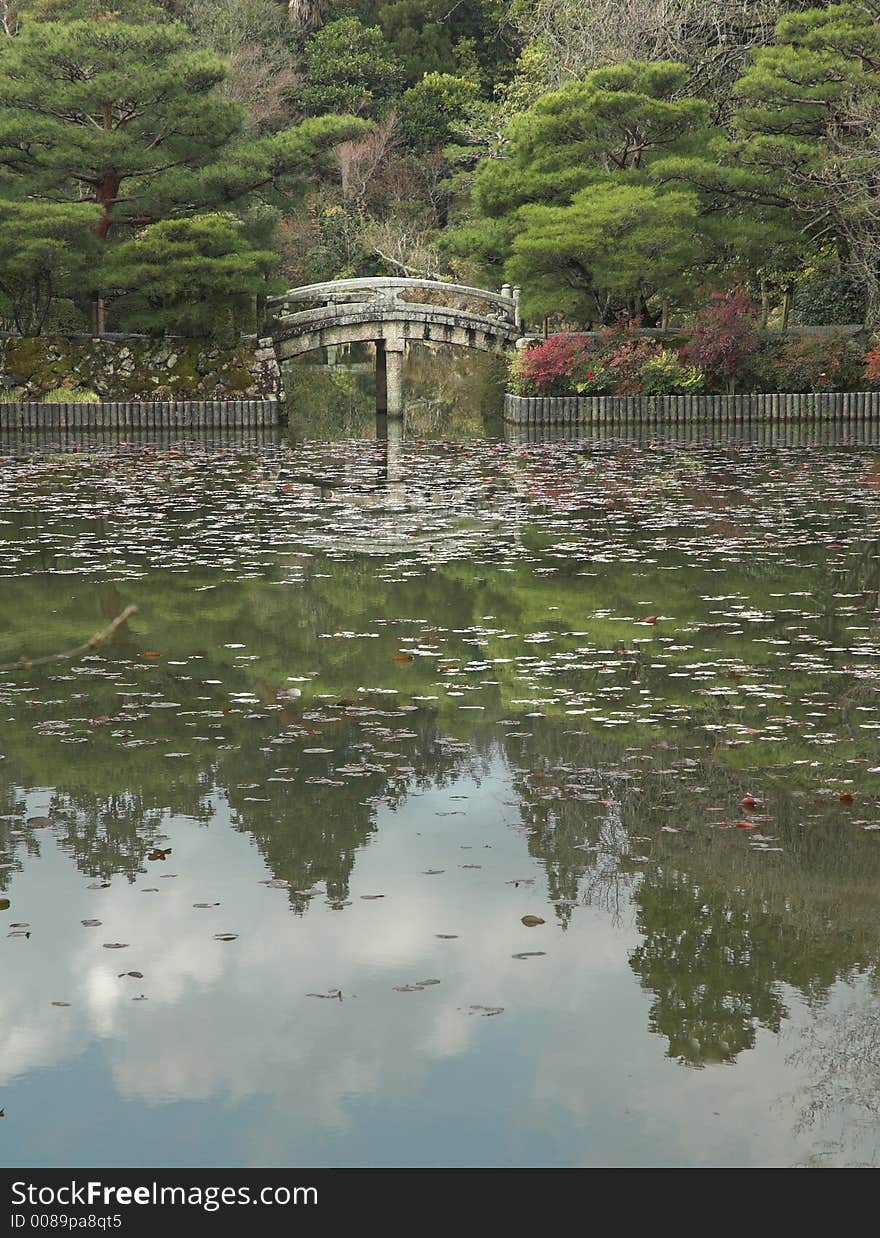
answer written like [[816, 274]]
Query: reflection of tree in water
[[568, 789], [725, 926], [838, 1053], [710, 965], [309, 831]]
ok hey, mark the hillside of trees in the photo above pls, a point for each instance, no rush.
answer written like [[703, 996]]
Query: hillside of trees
[[165, 163]]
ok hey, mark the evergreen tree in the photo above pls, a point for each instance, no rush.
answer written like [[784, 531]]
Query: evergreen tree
[[804, 150], [350, 68], [573, 160], [128, 117], [189, 276], [42, 257]]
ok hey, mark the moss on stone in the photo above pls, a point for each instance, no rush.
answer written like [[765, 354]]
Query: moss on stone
[[131, 368]]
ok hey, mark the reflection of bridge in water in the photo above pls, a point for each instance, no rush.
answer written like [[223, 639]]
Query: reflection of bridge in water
[[390, 313]]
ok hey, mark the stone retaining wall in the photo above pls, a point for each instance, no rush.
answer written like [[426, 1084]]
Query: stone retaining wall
[[132, 368]]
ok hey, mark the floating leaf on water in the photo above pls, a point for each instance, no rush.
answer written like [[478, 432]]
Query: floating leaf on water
[[206, 904], [371, 897], [61, 1003], [532, 921], [142, 997], [424, 984], [115, 945], [150, 653], [432, 872], [225, 936], [447, 936], [331, 993], [745, 825], [98, 885], [137, 975], [159, 853], [91, 923], [4, 904], [486, 1011], [403, 657], [529, 954], [40, 823]]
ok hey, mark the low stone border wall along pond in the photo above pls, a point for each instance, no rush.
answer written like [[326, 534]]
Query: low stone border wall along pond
[[680, 409], [140, 415]]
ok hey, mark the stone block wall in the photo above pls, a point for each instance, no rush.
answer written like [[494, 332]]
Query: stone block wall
[[137, 368]]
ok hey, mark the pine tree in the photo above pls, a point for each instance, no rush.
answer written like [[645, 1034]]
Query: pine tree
[[128, 117], [577, 163], [188, 276]]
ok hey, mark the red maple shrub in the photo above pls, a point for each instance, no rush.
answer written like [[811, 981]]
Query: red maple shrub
[[552, 367], [724, 339], [623, 353], [872, 364]]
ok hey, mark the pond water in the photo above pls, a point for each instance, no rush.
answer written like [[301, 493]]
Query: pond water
[[266, 853]]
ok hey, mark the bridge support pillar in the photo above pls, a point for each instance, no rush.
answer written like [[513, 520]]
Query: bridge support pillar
[[389, 378]]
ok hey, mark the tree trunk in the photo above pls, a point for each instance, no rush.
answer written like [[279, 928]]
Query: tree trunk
[[786, 306], [99, 315]]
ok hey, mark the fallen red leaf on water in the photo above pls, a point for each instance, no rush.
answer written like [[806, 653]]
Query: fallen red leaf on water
[[846, 797], [744, 825], [648, 619], [403, 657], [151, 653], [748, 801]]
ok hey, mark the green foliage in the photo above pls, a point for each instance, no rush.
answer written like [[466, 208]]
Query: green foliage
[[188, 276], [137, 125], [826, 298], [71, 395], [351, 69], [809, 363], [570, 212], [664, 374], [43, 253], [113, 126], [429, 110], [614, 245], [805, 136], [439, 36]]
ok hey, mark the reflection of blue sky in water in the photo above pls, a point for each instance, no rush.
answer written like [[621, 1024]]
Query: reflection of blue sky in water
[[228, 1063]]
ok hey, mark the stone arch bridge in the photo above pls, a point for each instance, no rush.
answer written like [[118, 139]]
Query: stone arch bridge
[[390, 313]]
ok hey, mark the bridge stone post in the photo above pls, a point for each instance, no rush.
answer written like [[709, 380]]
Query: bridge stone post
[[389, 376]]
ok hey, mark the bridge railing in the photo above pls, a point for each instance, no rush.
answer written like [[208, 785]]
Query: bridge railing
[[386, 292]]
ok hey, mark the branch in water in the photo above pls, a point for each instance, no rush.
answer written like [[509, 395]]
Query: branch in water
[[25, 663]]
